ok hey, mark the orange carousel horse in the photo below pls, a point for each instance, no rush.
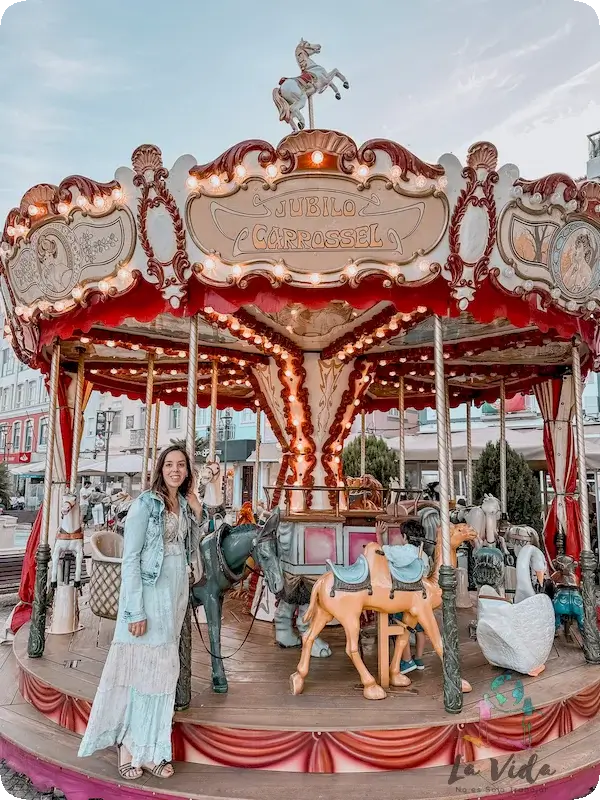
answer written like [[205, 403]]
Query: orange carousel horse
[[345, 593], [373, 501]]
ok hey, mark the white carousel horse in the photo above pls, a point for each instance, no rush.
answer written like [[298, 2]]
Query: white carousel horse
[[213, 505], [69, 539], [292, 93]]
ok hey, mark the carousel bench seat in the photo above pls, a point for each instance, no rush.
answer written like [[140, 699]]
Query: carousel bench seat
[[354, 574], [11, 565]]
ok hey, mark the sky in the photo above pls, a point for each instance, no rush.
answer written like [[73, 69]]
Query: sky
[[83, 83]]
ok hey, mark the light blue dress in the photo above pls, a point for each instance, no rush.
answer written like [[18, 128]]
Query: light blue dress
[[135, 699]]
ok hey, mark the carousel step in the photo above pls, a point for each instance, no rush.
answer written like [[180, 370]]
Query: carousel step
[[41, 749]]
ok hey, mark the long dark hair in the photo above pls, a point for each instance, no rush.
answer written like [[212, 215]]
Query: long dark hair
[[158, 485]]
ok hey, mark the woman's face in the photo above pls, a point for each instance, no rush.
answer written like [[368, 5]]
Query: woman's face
[[175, 469]]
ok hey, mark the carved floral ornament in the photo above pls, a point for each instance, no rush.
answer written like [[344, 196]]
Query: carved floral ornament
[[315, 212]]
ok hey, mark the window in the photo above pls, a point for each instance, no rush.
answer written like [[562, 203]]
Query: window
[[202, 417], [28, 436], [4, 431], [5, 399], [129, 422], [175, 417], [143, 418], [247, 417], [4, 363], [394, 413], [16, 437], [9, 397], [19, 397], [91, 426], [31, 393], [43, 434], [10, 367], [115, 427]]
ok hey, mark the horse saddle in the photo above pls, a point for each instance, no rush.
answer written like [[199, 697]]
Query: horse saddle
[[353, 578], [407, 567]]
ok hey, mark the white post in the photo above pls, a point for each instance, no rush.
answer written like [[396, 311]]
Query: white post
[[148, 427], [503, 496]]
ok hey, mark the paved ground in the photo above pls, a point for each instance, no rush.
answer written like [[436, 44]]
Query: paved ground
[[18, 787]]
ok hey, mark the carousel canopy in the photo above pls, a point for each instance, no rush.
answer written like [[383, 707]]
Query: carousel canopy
[[315, 268]]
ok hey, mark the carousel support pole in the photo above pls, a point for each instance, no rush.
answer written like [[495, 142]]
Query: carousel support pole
[[77, 421], [148, 427], [156, 421], [35, 647], [452, 486], [183, 690], [401, 440], [256, 475], [503, 496], [214, 387], [591, 640], [469, 457], [453, 699], [363, 444], [311, 113]]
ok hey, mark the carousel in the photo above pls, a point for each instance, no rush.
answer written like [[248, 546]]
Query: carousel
[[314, 281]]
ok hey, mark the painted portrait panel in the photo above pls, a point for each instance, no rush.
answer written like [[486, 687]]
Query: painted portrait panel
[[574, 258]]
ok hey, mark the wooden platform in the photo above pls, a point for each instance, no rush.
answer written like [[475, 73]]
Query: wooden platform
[[259, 740]]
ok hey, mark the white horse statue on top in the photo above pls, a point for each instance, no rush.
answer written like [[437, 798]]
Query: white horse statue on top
[[69, 539], [292, 93]]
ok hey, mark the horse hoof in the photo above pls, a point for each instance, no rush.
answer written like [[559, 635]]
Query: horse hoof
[[301, 126], [338, 96], [466, 686], [220, 686], [537, 671], [54, 585], [374, 692], [346, 85], [400, 680], [296, 683]]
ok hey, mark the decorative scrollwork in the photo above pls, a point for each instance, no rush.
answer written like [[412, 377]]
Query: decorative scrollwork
[[151, 177]]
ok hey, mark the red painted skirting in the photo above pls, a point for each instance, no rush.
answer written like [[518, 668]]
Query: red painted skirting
[[344, 751]]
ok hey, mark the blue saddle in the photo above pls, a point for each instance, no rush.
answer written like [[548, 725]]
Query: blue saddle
[[356, 573], [406, 565]]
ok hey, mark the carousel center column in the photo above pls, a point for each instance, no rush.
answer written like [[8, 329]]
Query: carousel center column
[[453, 699], [591, 639]]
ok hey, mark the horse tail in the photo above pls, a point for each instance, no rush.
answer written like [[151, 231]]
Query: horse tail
[[282, 106], [312, 606]]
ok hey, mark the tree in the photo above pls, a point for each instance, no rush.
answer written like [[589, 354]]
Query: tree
[[201, 444], [5, 485], [522, 489], [381, 460]]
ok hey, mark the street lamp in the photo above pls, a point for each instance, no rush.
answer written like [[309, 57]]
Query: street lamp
[[104, 421], [224, 435]]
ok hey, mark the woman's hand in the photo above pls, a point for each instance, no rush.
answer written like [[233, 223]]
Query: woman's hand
[[138, 628], [192, 498]]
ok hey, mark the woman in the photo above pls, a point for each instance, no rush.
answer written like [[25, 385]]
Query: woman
[[133, 707]]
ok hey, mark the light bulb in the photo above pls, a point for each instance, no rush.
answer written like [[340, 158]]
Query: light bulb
[[317, 157], [81, 201], [272, 171], [215, 181], [117, 194], [363, 172], [315, 278], [99, 201], [192, 182], [279, 271], [241, 171], [33, 211]]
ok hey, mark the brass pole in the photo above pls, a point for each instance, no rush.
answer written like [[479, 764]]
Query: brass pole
[[451, 485], [183, 690], [453, 699], [156, 421], [148, 427], [214, 386], [256, 476], [401, 439], [77, 421], [469, 457], [37, 630], [363, 444], [503, 495], [591, 642]]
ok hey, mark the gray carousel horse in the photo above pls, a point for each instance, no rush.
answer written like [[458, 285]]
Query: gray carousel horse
[[224, 553]]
